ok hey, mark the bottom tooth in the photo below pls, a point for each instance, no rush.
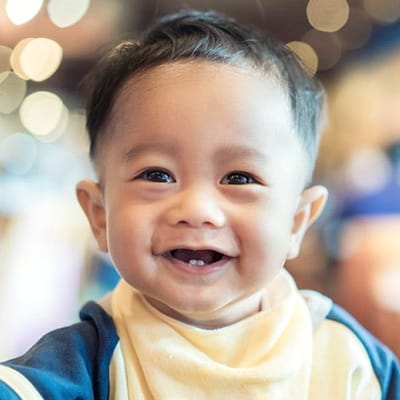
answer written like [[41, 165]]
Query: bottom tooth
[[199, 263]]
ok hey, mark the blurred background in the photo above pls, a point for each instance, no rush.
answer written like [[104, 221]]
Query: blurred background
[[49, 265]]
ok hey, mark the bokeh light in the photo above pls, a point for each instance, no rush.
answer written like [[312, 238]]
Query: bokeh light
[[385, 11], [5, 54], [18, 153], [16, 58], [65, 13], [306, 54], [59, 129], [41, 112], [40, 58], [36, 59], [368, 170], [22, 11], [326, 45], [327, 15], [12, 92], [357, 31]]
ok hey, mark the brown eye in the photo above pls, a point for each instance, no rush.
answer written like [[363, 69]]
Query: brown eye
[[237, 178], [156, 175]]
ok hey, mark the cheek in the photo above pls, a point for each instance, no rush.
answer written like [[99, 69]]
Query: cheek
[[128, 232], [265, 234]]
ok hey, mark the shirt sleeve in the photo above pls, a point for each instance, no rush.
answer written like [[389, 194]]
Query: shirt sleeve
[[384, 363], [68, 363]]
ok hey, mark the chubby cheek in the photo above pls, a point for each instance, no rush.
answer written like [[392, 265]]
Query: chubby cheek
[[265, 239], [129, 239]]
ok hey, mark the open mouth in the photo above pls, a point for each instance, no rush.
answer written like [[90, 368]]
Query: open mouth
[[196, 258]]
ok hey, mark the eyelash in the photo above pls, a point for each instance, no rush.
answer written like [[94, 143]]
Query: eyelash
[[156, 173], [159, 175], [248, 177]]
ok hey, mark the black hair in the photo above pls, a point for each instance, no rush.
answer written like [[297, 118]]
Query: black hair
[[210, 36]]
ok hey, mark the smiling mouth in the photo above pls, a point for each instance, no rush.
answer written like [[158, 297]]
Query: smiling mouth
[[196, 258]]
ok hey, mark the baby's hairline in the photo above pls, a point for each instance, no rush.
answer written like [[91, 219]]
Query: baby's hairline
[[245, 65], [103, 136], [194, 36]]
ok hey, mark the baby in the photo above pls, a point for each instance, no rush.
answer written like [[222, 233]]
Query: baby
[[204, 135]]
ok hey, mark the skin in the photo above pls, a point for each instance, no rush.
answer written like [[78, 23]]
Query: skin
[[201, 156]]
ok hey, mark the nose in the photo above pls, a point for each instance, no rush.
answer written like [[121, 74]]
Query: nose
[[197, 207]]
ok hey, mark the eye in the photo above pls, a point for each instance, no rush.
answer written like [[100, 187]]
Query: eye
[[237, 178], [156, 175]]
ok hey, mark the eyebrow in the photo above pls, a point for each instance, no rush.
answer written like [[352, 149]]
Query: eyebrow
[[232, 152], [222, 155], [135, 151]]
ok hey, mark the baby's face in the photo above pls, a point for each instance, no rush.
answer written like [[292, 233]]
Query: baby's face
[[202, 179]]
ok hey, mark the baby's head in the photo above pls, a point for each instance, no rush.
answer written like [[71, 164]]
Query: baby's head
[[196, 36], [204, 134]]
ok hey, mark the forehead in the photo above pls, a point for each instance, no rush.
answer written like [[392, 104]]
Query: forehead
[[241, 107], [228, 86]]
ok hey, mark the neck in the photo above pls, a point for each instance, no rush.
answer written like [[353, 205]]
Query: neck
[[228, 315]]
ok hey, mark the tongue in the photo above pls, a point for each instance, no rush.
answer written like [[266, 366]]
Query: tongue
[[207, 256]]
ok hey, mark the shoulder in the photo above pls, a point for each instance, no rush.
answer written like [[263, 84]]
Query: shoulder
[[72, 362], [346, 352], [385, 364]]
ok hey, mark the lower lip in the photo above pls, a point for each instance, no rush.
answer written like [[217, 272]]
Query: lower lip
[[196, 270]]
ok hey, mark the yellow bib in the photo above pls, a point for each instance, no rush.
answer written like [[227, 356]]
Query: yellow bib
[[265, 356]]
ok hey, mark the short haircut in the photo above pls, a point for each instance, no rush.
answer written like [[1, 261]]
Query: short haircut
[[208, 36]]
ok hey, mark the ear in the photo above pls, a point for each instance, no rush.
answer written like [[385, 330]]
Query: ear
[[311, 205], [90, 197]]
